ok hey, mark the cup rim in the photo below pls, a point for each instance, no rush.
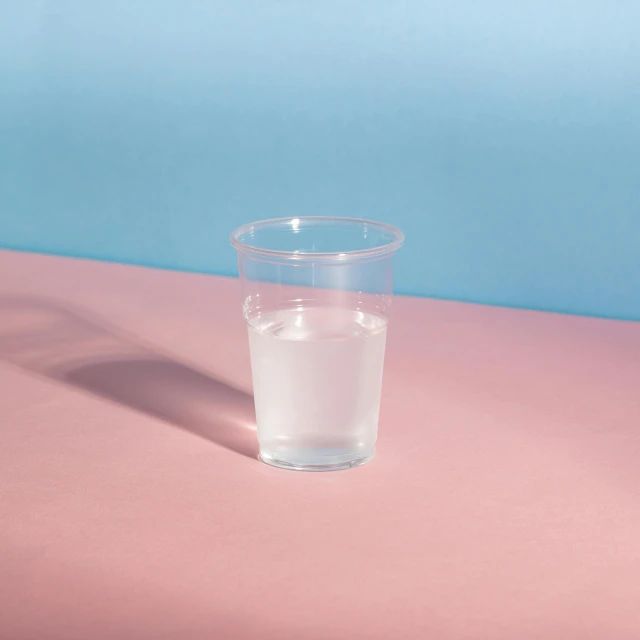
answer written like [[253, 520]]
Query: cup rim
[[325, 256]]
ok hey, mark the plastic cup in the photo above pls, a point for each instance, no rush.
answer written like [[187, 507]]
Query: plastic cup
[[317, 293]]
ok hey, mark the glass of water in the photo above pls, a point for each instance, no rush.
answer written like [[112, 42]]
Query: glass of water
[[317, 292]]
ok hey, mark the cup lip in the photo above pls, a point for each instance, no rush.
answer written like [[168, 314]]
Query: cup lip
[[311, 256]]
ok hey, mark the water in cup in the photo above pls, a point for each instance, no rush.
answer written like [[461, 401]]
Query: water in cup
[[317, 376]]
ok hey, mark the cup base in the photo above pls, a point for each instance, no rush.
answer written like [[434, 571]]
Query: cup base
[[332, 463]]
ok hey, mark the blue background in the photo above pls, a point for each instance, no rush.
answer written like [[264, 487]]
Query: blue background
[[502, 137]]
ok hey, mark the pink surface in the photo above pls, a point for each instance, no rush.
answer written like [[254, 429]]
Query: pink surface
[[504, 501]]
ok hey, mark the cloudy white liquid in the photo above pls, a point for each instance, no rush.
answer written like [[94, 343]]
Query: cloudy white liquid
[[317, 377]]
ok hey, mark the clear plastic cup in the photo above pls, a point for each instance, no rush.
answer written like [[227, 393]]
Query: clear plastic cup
[[317, 292]]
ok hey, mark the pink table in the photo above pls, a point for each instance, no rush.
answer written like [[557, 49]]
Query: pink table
[[504, 502]]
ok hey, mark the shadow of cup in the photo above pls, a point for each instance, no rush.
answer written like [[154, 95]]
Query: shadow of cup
[[82, 351]]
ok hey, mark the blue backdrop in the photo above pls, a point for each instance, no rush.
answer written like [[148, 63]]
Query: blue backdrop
[[502, 137]]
